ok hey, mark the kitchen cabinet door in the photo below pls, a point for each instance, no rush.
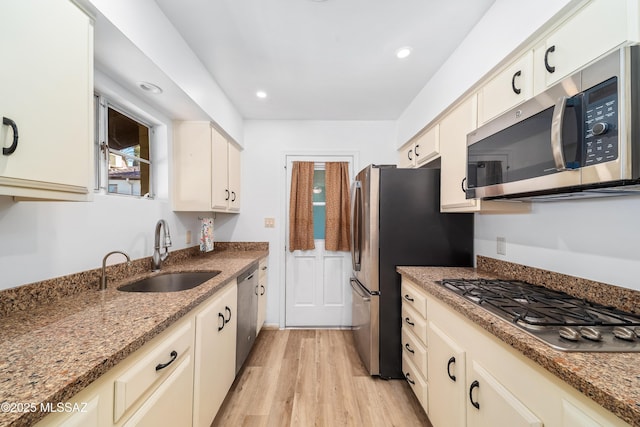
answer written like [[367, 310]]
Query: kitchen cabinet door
[[447, 361], [191, 166], [491, 404], [453, 148], [225, 164], [262, 294], [424, 148], [46, 81], [407, 157], [215, 356], [509, 88], [234, 172], [170, 404], [593, 31]]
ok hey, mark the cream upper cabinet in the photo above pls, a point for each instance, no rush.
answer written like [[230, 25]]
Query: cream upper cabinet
[[454, 128], [225, 160], [206, 169], [424, 148], [215, 358], [46, 81], [406, 156], [598, 27], [509, 88]]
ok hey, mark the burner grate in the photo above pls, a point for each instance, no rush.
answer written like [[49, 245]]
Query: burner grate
[[536, 306]]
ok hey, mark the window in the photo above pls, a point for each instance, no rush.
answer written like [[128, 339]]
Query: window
[[319, 203], [123, 151]]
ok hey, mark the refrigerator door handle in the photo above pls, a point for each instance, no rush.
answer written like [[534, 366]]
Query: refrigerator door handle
[[356, 225], [357, 288]]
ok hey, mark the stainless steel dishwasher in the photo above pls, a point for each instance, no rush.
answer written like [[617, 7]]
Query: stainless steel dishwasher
[[247, 313]]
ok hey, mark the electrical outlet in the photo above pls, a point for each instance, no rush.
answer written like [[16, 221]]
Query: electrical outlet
[[501, 246], [269, 223], [188, 237]]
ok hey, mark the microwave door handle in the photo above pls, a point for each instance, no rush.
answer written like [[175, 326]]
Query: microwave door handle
[[557, 122]]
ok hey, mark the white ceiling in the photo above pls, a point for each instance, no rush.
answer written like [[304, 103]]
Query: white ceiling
[[322, 60]]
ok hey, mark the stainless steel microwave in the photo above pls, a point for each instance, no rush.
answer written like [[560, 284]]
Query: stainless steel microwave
[[580, 138]]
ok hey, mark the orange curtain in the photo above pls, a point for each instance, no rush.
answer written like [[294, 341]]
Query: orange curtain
[[338, 218], [301, 207]]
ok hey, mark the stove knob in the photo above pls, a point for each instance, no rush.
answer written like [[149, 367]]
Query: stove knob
[[624, 333], [569, 333], [591, 333]]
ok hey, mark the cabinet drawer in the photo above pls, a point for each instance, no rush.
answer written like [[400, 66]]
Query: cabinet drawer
[[414, 350], [416, 381], [147, 373], [415, 323], [412, 296]]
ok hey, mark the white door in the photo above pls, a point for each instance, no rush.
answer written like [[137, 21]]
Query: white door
[[317, 290]]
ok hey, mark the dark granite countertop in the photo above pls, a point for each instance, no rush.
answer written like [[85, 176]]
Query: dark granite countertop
[[54, 349], [610, 379]]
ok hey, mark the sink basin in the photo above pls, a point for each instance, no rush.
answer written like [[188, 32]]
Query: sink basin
[[170, 282]]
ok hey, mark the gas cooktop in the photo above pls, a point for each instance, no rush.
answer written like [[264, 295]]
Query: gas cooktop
[[564, 322]]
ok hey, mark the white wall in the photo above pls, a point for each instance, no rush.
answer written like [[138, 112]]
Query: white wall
[[42, 240], [263, 180], [596, 239]]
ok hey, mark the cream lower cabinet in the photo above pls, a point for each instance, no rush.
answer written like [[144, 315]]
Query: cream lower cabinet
[[46, 107], [414, 341], [262, 294], [179, 378], [469, 397], [475, 379], [216, 327]]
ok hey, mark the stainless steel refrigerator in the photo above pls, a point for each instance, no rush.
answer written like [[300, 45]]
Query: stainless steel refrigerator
[[396, 220]]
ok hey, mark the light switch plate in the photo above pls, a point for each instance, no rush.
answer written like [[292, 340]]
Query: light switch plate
[[269, 223]]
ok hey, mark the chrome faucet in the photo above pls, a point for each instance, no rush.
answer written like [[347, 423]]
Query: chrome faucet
[[157, 258], [103, 277]]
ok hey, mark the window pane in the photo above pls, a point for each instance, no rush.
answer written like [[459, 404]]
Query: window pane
[[318, 221], [128, 142], [318, 186]]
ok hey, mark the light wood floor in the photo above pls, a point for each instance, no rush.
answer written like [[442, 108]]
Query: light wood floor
[[303, 378]]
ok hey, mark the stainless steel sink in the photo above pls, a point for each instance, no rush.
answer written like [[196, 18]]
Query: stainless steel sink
[[170, 282]]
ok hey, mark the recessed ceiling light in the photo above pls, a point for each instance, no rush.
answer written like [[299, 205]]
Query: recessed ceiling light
[[403, 52], [261, 94], [150, 87]]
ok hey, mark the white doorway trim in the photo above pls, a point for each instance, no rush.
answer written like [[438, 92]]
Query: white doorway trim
[[352, 156]]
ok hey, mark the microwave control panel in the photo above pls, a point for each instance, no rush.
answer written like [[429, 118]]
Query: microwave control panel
[[601, 123]]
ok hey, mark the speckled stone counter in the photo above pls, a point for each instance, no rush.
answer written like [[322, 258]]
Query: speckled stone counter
[[610, 379], [55, 348]]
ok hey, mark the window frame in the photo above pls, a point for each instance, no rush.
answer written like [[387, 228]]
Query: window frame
[[102, 150]]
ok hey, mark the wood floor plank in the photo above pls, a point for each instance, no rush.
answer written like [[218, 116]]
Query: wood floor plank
[[300, 378]]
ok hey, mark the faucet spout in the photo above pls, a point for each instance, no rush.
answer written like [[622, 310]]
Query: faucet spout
[[103, 276], [157, 257]]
